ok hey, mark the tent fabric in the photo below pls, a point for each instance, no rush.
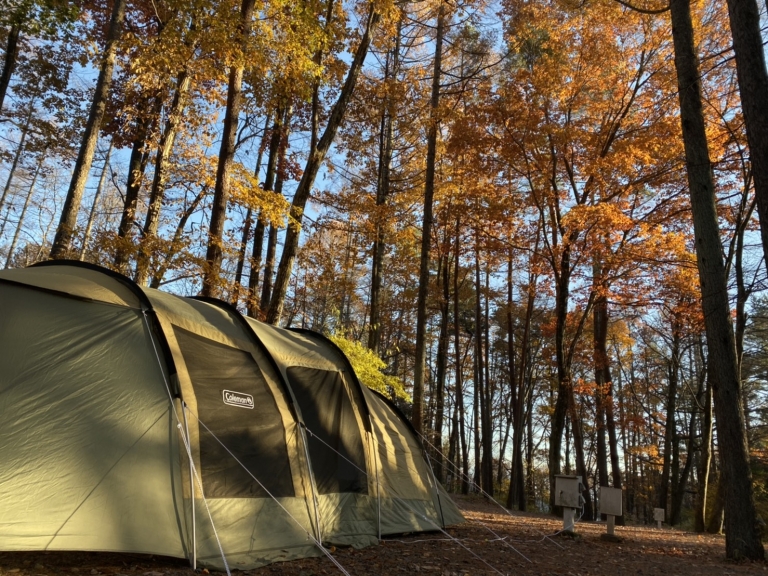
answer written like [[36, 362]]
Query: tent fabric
[[139, 421]]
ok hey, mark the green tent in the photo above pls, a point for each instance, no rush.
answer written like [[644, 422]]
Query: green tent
[[138, 421]]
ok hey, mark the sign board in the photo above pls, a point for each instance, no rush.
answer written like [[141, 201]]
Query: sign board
[[658, 514], [568, 491], [610, 501]]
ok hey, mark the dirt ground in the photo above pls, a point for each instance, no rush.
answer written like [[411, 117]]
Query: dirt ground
[[491, 542]]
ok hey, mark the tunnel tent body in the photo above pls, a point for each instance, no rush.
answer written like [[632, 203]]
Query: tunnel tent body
[[139, 421]]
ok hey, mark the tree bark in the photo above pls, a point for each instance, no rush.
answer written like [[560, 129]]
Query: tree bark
[[68, 220], [382, 194], [280, 140], [137, 164], [742, 538], [28, 199], [752, 76], [247, 226], [301, 196], [442, 365], [96, 196], [159, 180], [214, 254], [11, 56], [705, 460], [670, 429], [14, 165], [426, 228]]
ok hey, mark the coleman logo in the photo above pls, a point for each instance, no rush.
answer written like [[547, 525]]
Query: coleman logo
[[238, 399]]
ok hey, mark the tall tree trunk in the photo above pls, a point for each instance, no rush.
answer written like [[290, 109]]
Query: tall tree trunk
[[137, 164], [742, 538], [11, 56], [670, 429], [68, 220], [157, 193], [442, 363], [391, 69], [28, 199], [253, 306], [96, 197], [301, 196], [753, 88], [426, 228], [283, 130], [214, 254], [247, 224], [15, 164], [578, 446], [459, 378], [178, 239], [706, 456]]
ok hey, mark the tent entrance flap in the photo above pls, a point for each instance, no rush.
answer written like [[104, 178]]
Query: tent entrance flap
[[337, 454], [236, 405]]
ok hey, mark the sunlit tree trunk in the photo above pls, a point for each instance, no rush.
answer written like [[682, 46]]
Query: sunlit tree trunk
[[68, 220], [16, 159], [137, 165], [160, 178], [247, 224], [748, 48], [316, 157], [705, 460], [23, 213], [742, 538], [426, 227], [214, 254], [391, 68], [94, 206], [11, 56]]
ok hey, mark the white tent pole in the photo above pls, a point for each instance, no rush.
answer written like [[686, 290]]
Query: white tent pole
[[192, 490], [378, 483], [313, 484]]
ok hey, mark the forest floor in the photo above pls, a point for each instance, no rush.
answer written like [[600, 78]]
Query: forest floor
[[490, 542]]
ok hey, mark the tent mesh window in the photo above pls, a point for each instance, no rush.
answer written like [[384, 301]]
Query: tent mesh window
[[236, 404], [335, 443]]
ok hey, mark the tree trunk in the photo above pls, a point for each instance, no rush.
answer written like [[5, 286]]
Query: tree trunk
[[15, 164], [157, 193], [753, 88], [28, 199], [96, 196], [459, 378], [301, 196], [281, 143], [705, 460], [136, 167], [426, 229], [177, 241], [670, 429], [247, 227], [68, 220], [442, 365], [382, 194], [11, 56], [742, 537], [214, 254]]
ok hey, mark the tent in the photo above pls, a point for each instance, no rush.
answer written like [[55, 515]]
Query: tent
[[137, 421]]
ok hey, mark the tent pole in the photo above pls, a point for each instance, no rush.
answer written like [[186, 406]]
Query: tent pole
[[434, 483], [376, 460], [302, 431], [191, 488]]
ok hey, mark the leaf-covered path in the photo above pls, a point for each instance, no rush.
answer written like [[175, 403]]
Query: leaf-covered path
[[525, 549]]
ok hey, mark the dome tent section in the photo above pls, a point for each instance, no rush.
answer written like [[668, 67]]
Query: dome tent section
[[88, 433], [407, 496], [176, 426]]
